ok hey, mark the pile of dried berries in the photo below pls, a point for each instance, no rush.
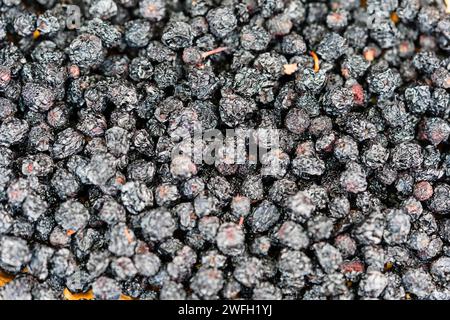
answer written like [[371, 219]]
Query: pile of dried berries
[[93, 205]]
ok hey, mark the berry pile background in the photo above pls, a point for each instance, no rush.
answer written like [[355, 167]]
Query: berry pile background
[[355, 204]]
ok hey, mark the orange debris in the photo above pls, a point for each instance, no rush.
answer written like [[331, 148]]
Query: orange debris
[[36, 34], [316, 61], [290, 68], [78, 296]]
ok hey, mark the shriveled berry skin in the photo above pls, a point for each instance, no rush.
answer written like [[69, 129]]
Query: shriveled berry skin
[[398, 227], [8, 108], [300, 206], [68, 142], [233, 108], [264, 216], [105, 288], [439, 201], [436, 130], [385, 83], [294, 263], [136, 197], [353, 179], [207, 283], [293, 44], [13, 131], [137, 33], [153, 10], [292, 235], [14, 253], [147, 264], [418, 98], [122, 241], [230, 239]]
